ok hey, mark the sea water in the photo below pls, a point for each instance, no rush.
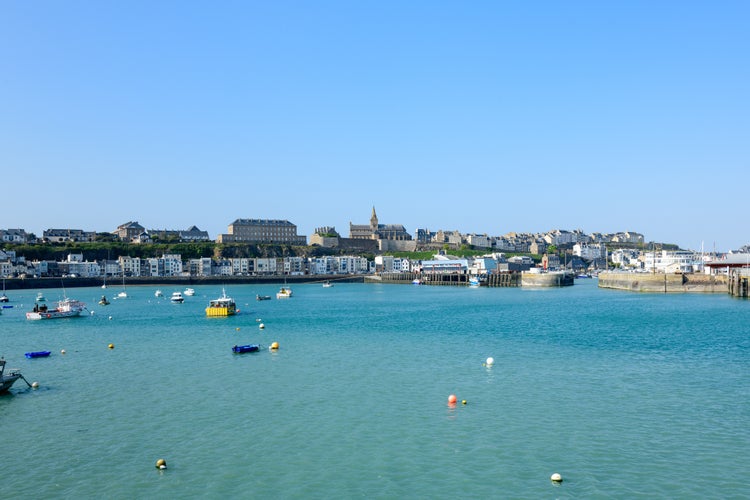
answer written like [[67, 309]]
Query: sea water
[[625, 395]]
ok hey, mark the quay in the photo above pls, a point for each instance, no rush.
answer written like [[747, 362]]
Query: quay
[[508, 279], [663, 282]]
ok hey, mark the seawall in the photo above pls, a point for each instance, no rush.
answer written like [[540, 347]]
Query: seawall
[[663, 283]]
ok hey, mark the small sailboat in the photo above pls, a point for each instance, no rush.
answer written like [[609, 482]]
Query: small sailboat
[[3, 297], [123, 294]]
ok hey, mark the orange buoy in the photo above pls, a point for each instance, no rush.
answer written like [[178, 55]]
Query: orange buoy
[[275, 345], [452, 399]]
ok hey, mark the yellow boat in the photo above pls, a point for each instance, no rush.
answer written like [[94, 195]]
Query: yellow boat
[[223, 306]]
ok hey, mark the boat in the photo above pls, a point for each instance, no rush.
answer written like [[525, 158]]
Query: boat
[[189, 292], [327, 284], [66, 308], [262, 297], [37, 354], [9, 377], [474, 282], [103, 301], [223, 306], [416, 281], [284, 293], [240, 349], [177, 298], [123, 294], [158, 293], [40, 297], [4, 298]]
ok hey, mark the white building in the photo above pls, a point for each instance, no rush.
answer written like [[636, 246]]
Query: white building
[[590, 251]]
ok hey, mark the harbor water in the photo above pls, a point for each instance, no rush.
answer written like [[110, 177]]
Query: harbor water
[[624, 395]]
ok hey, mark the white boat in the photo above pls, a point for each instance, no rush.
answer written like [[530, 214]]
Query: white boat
[[177, 298], [3, 297], [327, 284], [474, 282], [158, 293], [40, 297], [416, 281], [189, 292], [8, 377], [66, 308], [123, 294], [284, 293]]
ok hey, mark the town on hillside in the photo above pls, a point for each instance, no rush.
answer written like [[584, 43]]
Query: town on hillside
[[555, 249]]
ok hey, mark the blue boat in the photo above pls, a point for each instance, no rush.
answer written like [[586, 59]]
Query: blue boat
[[239, 349], [37, 354]]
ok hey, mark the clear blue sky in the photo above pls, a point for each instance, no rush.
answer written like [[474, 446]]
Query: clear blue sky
[[482, 116]]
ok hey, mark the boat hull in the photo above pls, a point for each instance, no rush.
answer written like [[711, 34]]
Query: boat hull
[[220, 311], [52, 315], [7, 382], [241, 349]]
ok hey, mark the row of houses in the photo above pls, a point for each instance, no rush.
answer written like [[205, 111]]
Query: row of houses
[[374, 236]]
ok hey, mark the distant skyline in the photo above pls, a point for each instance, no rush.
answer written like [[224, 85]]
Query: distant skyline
[[485, 117]]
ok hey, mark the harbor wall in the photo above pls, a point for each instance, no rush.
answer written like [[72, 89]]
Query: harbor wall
[[663, 282], [551, 279]]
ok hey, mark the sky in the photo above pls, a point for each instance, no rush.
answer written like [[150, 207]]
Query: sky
[[484, 117]]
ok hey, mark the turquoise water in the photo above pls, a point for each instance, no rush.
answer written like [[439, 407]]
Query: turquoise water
[[625, 395]]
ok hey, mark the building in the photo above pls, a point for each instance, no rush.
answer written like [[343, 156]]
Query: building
[[129, 231], [190, 235], [63, 235], [15, 236], [269, 231], [377, 231]]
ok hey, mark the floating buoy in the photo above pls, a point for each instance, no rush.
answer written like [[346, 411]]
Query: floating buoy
[[452, 399], [261, 326], [110, 317], [111, 346], [463, 401], [62, 351], [490, 361], [238, 328], [161, 464], [275, 345], [556, 478], [258, 320], [34, 385]]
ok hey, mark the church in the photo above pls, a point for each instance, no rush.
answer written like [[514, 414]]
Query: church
[[376, 231]]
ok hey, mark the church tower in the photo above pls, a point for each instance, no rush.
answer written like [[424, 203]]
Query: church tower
[[374, 221]]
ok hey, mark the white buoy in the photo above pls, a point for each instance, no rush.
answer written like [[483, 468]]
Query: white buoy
[[490, 361], [110, 317], [261, 326], [62, 351], [556, 478], [34, 385]]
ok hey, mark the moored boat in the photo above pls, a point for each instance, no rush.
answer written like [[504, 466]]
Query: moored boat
[[177, 298], [66, 308], [7, 378], [189, 292], [223, 306], [262, 297], [40, 297], [158, 293], [103, 301], [327, 284], [37, 354], [284, 293], [240, 349]]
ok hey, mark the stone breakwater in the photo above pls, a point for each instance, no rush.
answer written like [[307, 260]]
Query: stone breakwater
[[664, 283]]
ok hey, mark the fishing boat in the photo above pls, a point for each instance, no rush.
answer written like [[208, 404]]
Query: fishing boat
[[37, 354], [240, 349], [189, 292], [284, 293], [262, 297], [177, 298], [66, 308], [103, 301], [223, 306], [8, 377]]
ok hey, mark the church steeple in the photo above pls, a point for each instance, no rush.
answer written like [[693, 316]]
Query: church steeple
[[374, 220]]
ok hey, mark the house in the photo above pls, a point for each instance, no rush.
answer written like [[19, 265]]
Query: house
[[129, 231], [268, 231]]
